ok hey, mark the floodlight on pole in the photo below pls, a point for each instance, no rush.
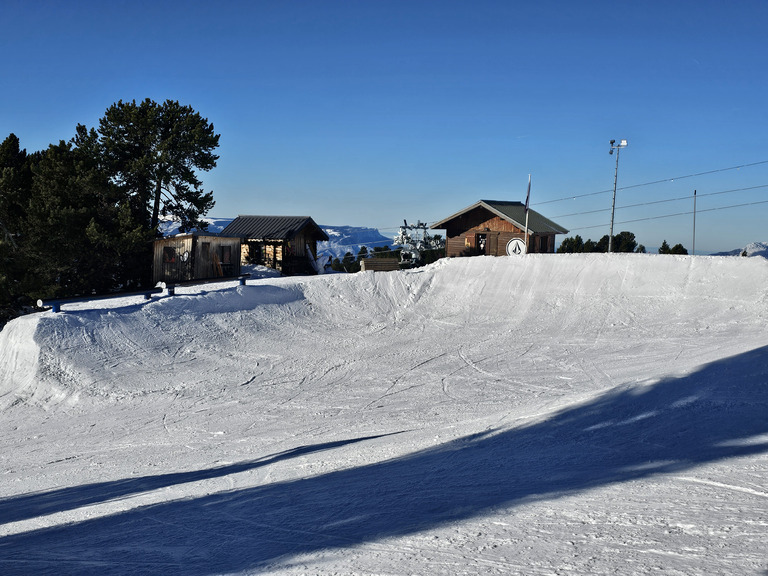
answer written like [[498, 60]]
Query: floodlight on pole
[[618, 148]]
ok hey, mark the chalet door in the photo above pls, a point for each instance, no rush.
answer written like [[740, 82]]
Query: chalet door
[[226, 260], [205, 269], [481, 242]]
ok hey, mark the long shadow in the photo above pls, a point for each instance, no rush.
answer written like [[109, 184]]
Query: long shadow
[[15, 508], [631, 433]]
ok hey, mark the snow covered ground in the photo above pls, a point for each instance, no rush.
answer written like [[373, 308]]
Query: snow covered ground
[[552, 414]]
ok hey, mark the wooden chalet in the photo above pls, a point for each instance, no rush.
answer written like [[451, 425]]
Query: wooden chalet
[[491, 227], [188, 257], [285, 243]]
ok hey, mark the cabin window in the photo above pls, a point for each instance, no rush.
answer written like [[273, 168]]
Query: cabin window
[[169, 254], [226, 254], [544, 244]]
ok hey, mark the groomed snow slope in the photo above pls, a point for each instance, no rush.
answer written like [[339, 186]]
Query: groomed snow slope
[[579, 414]]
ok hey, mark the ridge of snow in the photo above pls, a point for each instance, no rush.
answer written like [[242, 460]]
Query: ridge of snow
[[578, 413]]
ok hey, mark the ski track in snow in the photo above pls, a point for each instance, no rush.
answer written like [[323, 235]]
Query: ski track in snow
[[552, 414]]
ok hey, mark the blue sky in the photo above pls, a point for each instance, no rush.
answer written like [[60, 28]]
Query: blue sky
[[367, 112]]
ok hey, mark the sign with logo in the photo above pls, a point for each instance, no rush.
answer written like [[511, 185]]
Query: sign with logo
[[516, 247]]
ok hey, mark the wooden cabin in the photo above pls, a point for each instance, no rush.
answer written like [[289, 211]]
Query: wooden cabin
[[285, 243], [497, 228], [188, 257]]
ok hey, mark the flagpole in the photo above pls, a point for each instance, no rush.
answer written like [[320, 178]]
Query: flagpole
[[527, 199]]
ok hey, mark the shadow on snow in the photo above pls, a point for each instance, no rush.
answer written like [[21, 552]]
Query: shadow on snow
[[18, 508], [630, 433]]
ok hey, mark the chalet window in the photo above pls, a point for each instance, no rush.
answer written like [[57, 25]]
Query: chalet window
[[226, 254], [169, 254]]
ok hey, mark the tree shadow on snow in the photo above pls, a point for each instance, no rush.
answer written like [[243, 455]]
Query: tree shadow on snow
[[631, 433], [16, 508]]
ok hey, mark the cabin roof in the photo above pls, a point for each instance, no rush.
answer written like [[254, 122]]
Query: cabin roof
[[272, 227], [513, 212]]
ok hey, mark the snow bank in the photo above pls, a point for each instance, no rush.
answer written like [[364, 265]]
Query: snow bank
[[568, 298], [581, 414], [19, 360]]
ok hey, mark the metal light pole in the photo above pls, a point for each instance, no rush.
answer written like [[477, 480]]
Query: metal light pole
[[693, 251], [618, 148]]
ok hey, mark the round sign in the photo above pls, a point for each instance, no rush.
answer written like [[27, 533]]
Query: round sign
[[516, 247]]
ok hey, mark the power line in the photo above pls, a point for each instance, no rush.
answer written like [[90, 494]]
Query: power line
[[679, 198], [655, 182], [677, 214]]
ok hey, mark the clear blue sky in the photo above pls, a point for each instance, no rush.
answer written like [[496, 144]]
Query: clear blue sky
[[369, 112]]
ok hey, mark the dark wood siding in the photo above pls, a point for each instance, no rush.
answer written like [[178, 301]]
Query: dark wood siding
[[191, 257], [172, 259], [480, 229]]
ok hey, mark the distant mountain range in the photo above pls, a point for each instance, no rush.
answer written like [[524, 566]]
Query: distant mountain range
[[343, 239], [754, 249]]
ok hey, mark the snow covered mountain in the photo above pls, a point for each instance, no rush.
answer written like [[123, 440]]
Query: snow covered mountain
[[753, 249], [345, 239], [215, 225]]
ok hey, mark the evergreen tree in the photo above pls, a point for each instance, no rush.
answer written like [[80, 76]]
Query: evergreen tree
[[67, 189], [665, 249], [15, 185], [15, 191], [602, 244], [153, 152], [572, 245], [624, 242]]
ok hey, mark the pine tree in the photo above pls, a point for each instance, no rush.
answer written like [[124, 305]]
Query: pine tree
[[153, 152], [624, 242], [15, 190], [64, 199], [79, 236], [571, 245]]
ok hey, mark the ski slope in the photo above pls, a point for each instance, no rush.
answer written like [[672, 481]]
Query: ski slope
[[551, 414]]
